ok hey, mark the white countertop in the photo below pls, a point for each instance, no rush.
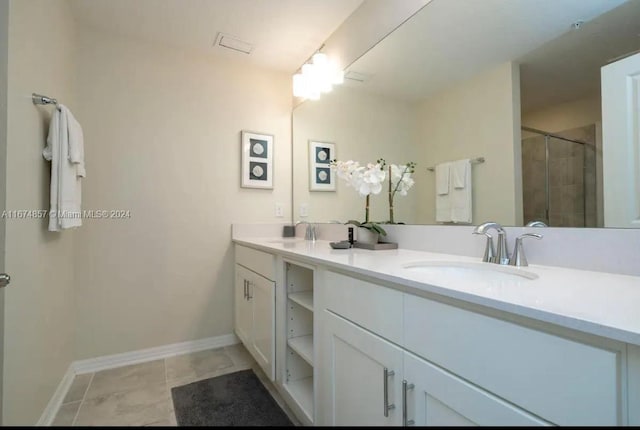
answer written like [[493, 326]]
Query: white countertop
[[598, 303]]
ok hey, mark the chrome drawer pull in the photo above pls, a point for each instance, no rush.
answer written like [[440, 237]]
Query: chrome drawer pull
[[406, 387], [385, 382]]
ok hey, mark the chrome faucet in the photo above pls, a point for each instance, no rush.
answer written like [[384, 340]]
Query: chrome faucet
[[536, 224], [310, 232], [518, 258], [502, 254]]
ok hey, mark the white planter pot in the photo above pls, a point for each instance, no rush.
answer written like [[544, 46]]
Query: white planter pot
[[367, 236]]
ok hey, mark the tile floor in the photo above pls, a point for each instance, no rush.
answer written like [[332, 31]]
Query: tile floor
[[140, 394]]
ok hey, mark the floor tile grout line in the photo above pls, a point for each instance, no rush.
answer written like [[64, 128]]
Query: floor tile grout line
[[84, 396]]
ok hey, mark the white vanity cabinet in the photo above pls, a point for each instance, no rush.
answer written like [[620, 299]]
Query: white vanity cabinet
[[243, 308], [358, 350], [254, 305], [435, 397], [564, 381], [360, 376], [454, 366]]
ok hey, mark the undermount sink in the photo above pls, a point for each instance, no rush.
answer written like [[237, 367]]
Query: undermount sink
[[468, 271]]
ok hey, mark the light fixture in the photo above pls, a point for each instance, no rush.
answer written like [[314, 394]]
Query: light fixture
[[317, 77]]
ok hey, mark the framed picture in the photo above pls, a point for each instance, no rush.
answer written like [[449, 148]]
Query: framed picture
[[257, 160], [321, 176]]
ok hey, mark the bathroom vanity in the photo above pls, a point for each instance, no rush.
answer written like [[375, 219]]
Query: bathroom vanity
[[403, 337]]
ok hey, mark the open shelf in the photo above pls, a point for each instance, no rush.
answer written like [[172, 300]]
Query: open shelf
[[303, 346], [304, 299], [299, 336], [302, 392]]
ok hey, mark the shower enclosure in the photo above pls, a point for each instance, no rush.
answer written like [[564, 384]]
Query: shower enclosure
[[559, 180]]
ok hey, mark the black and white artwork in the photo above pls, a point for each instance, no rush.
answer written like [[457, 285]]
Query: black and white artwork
[[258, 148], [322, 177], [257, 160]]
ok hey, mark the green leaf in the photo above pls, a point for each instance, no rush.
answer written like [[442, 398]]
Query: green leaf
[[375, 227]]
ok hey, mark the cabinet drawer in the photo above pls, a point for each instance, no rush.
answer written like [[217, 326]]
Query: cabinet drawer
[[563, 381], [257, 261], [371, 306]]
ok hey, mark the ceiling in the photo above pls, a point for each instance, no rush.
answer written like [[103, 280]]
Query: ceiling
[[449, 41], [285, 33], [568, 68]]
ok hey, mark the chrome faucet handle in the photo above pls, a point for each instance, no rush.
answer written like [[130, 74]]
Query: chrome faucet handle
[[489, 253], [518, 258], [536, 224]]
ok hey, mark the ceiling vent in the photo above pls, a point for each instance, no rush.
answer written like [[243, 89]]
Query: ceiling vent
[[357, 76], [231, 42]]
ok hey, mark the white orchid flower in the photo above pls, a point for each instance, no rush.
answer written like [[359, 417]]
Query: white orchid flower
[[372, 179], [401, 179]]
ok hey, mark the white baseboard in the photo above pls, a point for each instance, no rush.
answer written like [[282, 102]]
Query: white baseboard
[[124, 359], [150, 354], [50, 412]]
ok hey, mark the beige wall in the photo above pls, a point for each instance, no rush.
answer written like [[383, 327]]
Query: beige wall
[[564, 116], [39, 315], [162, 131], [364, 127], [478, 117]]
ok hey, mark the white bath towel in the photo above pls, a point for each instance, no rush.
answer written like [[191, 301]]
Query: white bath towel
[[65, 150], [461, 197], [442, 178], [459, 171], [443, 192]]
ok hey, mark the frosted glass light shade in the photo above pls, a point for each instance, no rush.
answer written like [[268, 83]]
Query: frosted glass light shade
[[317, 77]]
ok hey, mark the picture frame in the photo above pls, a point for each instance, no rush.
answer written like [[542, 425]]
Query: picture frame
[[257, 160], [321, 176]]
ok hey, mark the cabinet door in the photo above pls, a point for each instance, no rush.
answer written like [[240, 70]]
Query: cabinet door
[[262, 299], [243, 314], [439, 398], [351, 376]]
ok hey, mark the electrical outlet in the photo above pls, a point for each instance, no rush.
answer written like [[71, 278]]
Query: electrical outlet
[[279, 210], [304, 210]]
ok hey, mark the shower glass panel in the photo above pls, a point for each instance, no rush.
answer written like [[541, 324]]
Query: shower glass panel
[[566, 184], [559, 178]]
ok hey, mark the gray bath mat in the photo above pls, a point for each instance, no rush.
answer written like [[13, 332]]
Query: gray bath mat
[[235, 399]]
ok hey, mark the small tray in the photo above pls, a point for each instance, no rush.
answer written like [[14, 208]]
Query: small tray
[[376, 246]]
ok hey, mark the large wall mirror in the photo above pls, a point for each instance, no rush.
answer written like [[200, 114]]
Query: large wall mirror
[[514, 85]]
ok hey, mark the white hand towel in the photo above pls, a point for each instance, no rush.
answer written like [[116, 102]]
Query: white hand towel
[[442, 178], [459, 171], [461, 197], [65, 150]]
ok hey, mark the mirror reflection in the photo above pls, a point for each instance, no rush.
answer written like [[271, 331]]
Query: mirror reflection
[[514, 83]]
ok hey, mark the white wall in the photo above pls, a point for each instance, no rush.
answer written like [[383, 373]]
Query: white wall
[[39, 315], [478, 117], [162, 132], [364, 127]]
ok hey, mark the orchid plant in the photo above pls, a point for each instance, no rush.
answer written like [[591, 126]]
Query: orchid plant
[[366, 180], [400, 181]]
